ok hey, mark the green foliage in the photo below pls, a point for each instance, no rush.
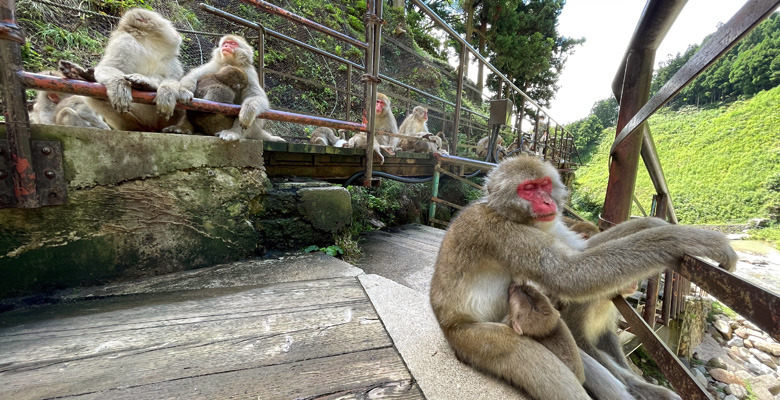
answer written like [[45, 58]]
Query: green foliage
[[720, 308], [332, 250], [721, 164], [751, 66], [117, 7]]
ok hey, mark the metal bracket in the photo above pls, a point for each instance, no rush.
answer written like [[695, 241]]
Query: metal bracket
[[49, 174]]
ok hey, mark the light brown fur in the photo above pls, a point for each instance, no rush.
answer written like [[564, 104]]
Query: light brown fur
[[64, 109], [482, 145], [415, 124], [385, 122], [500, 239], [359, 140], [323, 136], [532, 314], [142, 53], [252, 98]]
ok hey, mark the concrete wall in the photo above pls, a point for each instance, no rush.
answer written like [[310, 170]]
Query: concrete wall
[[140, 204]]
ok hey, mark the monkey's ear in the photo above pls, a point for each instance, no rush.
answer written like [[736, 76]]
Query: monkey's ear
[[516, 326], [53, 97]]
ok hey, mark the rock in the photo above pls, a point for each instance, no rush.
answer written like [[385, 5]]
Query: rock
[[768, 382], [774, 349], [717, 362], [744, 375], [723, 328], [741, 332], [700, 377], [762, 394], [764, 358], [756, 368], [735, 352], [763, 346], [734, 356], [734, 324], [760, 222], [748, 343], [736, 341], [725, 376], [755, 332], [736, 390], [731, 397]]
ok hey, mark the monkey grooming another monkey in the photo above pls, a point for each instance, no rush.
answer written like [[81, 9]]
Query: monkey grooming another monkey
[[235, 51], [323, 136], [142, 53], [224, 86], [64, 109], [415, 124], [360, 140], [515, 234], [532, 314]]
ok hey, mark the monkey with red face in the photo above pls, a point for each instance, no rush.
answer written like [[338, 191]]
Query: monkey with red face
[[385, 122], [515, 234], [234, 50]]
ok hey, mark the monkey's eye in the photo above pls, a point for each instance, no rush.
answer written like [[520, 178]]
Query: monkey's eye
[[528, 187]]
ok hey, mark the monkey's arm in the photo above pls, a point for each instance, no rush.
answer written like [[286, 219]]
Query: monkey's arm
[[254, 102], [625, 229], [190, 80], [117, 88]]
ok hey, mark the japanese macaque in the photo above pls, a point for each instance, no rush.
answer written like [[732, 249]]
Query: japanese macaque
[[445, 144], [224, 86], [323, 136], [385, 122], [415, 124], [64, 109], [359, 140], [482, 145], [429, 143], [142, 53], [521, 140], [532, 314], [234, 50], [515, 234], [594, 322]]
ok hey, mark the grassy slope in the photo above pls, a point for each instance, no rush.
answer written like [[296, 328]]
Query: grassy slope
[[717, 161]]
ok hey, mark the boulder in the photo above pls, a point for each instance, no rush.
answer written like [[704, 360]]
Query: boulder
[[736, 390], [717, 362], [764, 358], [768, 382], [723, 328], [725, 376]]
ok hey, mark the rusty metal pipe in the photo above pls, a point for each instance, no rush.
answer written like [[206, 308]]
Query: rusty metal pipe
[[49, 83]]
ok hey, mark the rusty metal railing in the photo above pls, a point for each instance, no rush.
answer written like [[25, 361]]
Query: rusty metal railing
[[631, 88]]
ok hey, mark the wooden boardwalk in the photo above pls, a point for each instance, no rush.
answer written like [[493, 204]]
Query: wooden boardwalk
[[297, 340]]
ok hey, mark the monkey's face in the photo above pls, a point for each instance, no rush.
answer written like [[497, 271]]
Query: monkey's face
[[228, 48], [380, 106], [538, 193]]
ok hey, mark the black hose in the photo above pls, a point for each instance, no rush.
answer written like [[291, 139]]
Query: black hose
[[388, 176]]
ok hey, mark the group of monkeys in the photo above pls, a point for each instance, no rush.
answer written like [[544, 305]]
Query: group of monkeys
[[143, 54], [413, 135], [521, 295], [505, 260]]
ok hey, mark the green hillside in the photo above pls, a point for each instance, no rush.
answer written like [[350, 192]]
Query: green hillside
[[722, 164]]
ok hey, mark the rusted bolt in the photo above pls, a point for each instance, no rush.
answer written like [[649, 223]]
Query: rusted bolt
[[50, 174], [3, 174], [46, 150]]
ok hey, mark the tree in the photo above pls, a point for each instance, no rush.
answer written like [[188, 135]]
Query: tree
[[525, 45], [606, 111]]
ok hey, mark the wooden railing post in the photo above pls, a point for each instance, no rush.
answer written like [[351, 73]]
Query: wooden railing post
[[373, 37]]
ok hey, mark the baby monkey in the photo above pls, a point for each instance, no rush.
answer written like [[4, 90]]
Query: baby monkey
[[224, 86], [532, 314]]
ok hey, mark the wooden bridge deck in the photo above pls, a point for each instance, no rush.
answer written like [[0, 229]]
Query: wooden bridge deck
[[297, 340], [335, 163]]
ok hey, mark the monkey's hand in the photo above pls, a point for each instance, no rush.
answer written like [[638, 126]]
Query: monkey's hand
[[167, 95], [141, 82], [228, 135], [119, 95], [250, 109], [74, 71]]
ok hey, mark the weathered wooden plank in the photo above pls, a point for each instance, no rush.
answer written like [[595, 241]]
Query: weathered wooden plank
[[134, 347], [376, 374]]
